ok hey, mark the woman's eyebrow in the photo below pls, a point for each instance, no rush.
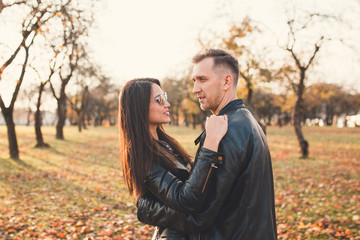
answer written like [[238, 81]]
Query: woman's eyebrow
[[158, 95]]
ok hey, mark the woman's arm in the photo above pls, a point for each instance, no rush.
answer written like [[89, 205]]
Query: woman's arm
[[184, 196], [153, 212], [189, 196]]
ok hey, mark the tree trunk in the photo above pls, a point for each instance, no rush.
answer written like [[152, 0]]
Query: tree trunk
[[84, 107], [250, 92], [13, 145], [39, 137], [203, 116], [186, 118], [8, 112], [79, 114], [38, 121], [28, 117], [61, 116], [194, 117], [304, 145], [82, 119]]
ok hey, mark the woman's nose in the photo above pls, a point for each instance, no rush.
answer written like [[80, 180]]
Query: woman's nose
[[166, 104]]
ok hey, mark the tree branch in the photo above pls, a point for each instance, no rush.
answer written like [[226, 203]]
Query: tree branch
[[3, 6], [317, 48]]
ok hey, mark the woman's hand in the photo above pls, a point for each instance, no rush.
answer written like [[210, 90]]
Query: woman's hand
[[216, 128]]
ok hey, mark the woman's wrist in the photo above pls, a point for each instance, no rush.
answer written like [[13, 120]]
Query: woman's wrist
[[211, 144]]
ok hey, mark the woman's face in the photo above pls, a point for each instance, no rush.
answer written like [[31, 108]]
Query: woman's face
[[159, 106]]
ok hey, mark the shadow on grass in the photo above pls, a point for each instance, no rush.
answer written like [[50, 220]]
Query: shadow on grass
[[12, 164], [74, 155], [51, 188]]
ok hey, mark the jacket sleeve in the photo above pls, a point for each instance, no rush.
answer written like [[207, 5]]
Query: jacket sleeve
[[183, 196], [155, 213]]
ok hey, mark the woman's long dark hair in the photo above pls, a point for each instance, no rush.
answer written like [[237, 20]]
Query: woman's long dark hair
[[137, 147]]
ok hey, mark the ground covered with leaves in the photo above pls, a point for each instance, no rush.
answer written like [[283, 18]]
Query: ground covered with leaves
[[75, 190]]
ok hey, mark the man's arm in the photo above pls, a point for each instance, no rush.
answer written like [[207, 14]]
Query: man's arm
[[188, 196]]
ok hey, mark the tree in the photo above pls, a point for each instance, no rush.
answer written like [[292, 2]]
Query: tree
[[37, 15], [296, 27], [103, 102], [252, 65], [327, 100], [252, 62], [266, 105], [75, 26], [176, 92], [79, 104], [183, 103], [38, 119]]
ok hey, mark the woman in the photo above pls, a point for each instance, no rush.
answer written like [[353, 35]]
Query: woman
[[153, 163]]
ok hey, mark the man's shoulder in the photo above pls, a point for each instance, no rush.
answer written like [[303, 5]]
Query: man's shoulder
[[242, 125], [240, 118]]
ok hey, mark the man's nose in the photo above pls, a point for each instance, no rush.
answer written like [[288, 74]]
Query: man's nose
[[196, 88]]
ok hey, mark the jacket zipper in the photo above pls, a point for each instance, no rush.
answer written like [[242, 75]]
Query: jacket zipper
[[208, 176]]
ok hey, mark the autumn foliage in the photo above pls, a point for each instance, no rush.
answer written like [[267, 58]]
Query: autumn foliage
[[74, 190]]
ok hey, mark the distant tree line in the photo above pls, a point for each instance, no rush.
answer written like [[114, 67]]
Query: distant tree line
[[97, 106], [322, 101]]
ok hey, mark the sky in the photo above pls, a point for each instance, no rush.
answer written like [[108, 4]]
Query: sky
[[148, 38], [157, 38]]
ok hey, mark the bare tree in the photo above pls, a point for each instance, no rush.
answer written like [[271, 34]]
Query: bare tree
[[31, 27], [78, 104], [75, 29], [302, 65], [38, 119], [38, 116], [88, 75]]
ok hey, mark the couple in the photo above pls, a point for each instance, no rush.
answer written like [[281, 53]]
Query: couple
[[227, 192]]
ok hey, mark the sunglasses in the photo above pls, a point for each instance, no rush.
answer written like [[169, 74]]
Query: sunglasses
[[161, 98]]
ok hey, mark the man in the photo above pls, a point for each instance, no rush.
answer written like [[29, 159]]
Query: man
[[240, 198]]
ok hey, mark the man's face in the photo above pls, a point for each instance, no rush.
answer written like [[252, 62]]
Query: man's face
[[207, 85]]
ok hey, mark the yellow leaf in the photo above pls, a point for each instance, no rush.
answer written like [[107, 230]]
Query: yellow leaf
[[249, 29]]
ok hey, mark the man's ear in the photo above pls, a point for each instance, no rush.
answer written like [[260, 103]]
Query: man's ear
[[228, 81]]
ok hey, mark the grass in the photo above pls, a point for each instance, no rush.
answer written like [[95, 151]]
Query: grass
[[74, 190]]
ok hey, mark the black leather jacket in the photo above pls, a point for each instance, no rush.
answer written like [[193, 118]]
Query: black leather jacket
[[179, 190], [240, 200]]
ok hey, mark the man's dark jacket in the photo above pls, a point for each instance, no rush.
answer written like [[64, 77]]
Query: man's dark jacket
[[240, 199]]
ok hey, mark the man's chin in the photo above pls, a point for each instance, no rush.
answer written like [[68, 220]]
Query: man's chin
[[204, 107]]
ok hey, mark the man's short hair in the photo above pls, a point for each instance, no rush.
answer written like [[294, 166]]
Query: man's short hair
[[221, 58]]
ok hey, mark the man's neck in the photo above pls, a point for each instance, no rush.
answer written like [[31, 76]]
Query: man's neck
[[223, 103]]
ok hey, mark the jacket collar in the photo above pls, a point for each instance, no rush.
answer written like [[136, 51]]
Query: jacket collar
[[235, 104], [178, 164]]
